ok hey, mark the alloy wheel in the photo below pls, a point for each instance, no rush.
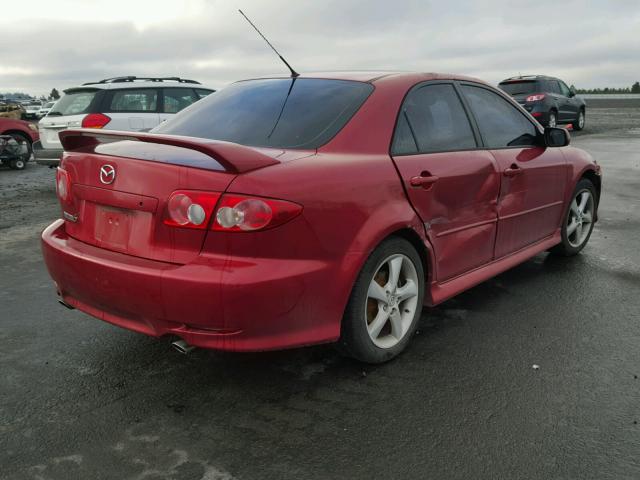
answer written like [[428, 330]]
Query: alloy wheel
[[391, 301], [580, 220], [552, 120]]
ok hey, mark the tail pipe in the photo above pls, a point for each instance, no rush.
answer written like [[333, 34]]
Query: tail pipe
[[182, 347]]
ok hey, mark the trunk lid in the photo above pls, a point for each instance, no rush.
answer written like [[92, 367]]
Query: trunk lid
[[119, 190]]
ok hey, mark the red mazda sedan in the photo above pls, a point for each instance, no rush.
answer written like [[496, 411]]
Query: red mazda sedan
[[282, 212]]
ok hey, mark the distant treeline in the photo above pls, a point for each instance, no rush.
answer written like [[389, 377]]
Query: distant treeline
[[635, 88]]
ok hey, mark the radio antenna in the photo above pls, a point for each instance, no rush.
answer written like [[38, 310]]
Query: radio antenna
[[294, 74]]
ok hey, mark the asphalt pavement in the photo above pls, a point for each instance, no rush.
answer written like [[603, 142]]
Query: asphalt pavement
[[81, 399]]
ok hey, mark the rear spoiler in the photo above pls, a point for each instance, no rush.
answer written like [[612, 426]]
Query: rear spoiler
[[233, 157]]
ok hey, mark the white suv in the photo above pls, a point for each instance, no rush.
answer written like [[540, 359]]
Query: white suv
[[121, 103]]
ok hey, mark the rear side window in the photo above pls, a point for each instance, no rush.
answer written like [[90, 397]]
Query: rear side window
[[175, 99], [202, 92], [134, 100], [281, 113], [553, 86], [500, 123], [74, 103], [434, 115]]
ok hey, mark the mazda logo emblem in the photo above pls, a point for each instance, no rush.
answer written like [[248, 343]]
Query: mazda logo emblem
[[107, 174]]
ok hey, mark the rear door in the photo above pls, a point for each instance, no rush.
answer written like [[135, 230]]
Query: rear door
[[533, 177], [132, 109], [451, 183]]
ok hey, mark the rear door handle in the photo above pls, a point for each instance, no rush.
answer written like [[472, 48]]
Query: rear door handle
[[425, 181], [512, 171]]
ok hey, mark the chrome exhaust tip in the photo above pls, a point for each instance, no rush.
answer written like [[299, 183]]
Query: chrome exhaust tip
[[182, 347]]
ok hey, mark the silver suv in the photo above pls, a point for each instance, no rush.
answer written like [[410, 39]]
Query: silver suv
[[121, 103]]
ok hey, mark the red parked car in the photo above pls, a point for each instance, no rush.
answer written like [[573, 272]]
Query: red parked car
[[282, 212], [24, 133]]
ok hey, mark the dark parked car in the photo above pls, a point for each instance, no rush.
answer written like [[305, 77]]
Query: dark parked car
[[548, 99]]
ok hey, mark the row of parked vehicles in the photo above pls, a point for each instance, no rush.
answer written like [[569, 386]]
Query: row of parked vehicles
[[141, 103]]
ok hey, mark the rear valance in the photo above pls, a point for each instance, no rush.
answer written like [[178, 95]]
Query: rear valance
[[233, 157]]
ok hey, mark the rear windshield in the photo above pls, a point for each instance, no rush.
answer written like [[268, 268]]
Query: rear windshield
[[74, 103], [519, 88], [279, 113]]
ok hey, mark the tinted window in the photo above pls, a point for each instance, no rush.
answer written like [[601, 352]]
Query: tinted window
[[175, 99], [553, 86], [437, 120], [135, 100], [74, 103], [202, 92], [564, 90], [281, 113], [500, 123], [403, 139], [520, 87]]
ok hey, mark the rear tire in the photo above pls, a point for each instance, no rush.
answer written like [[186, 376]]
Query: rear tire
[[579, 220], [553, 119], [579, 123], [385, 303]]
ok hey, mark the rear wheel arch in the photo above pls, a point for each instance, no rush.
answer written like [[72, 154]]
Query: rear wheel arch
[[22, 134]]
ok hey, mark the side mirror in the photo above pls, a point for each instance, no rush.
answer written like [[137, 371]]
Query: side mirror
[[556, 137]]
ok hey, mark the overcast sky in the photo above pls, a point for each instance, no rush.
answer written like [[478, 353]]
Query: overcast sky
[[62, 43]]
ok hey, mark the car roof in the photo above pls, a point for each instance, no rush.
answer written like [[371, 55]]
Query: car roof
[[528, 78], [139, 82], [373, 76]]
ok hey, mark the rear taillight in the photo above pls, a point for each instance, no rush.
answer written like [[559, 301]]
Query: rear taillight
[[234, 213], [240, 213], [535, 98], [63, 185], [190, 209], [95, 120]]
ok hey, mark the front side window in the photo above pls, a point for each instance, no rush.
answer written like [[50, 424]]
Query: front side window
[[500, 123], [175, 99], [134, 100], [432, 119], [564, 89]]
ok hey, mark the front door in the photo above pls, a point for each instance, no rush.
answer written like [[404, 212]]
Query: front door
[[451, 184], [533, 177]]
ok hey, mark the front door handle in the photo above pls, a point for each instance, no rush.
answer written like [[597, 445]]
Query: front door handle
[[425, 181], [512, 171]]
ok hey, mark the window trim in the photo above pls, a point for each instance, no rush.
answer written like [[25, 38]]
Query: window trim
[[474, 130], [109, 99], [515, 104]]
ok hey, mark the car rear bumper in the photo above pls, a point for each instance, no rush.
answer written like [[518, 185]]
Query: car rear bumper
[[213, 302], [46, 156]]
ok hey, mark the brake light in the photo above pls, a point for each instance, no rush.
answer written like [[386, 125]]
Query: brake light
[[239, 213], [63, 185], [95, 120], [535, 98], [190, 209]]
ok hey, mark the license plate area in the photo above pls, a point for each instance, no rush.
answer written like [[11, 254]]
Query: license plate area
[[113, 227]]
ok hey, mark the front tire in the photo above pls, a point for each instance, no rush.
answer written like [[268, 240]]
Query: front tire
[[579, 220], [385, 303], [18, 164]]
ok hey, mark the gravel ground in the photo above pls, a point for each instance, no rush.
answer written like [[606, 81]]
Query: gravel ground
[[81, 399]]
